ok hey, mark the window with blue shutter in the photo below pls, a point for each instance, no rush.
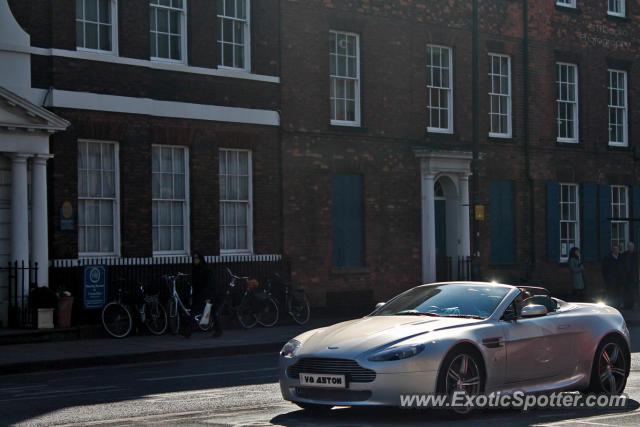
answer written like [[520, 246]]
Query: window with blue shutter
[[502, 222], [348, 221], [589, 249], [604, 200], [553, 221]]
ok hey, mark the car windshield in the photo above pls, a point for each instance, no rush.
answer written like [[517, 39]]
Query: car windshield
[[471, 300]]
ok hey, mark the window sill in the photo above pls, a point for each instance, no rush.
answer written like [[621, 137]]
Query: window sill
[[618, 18], [347, 128], [501, 139], [568, 8], [618, 147], [349, 270], [568, 143]]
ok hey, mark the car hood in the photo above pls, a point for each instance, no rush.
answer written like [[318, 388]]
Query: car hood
[[351, 338]]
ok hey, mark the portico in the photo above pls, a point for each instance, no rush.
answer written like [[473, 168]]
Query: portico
[[451, 171]]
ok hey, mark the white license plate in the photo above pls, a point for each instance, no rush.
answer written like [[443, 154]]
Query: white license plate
[[323, 380]]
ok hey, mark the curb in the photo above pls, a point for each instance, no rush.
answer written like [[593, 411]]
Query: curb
[[131, 358]]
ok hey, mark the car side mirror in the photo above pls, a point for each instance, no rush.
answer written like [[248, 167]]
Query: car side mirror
[[533, 310], [380, 304]]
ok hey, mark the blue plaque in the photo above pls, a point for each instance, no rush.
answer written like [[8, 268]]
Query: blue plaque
[[94, 284]]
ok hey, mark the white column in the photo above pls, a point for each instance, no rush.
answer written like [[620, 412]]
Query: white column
[[465, 233], [428, 230], [39, 226], [20, 215]]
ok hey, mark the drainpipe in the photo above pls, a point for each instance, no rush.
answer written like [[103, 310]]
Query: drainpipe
[[475, 119], [531, 258]]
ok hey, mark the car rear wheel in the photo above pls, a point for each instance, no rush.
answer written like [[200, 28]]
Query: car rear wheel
[[610, 367], [462, 372]]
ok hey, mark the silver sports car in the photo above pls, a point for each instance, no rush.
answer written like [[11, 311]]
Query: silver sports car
[[474, 337]]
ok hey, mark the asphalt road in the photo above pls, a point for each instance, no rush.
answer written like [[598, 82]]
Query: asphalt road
[[238, 390]]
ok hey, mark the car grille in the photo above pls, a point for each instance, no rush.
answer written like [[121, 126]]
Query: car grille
[[333, 395], [319, 365]]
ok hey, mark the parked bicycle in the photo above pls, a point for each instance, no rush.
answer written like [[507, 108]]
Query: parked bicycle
[[293, 300], [248, 302], [118, 315], [175, 307]]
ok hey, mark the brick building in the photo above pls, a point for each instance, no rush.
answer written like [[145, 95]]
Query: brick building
[[376, 143]]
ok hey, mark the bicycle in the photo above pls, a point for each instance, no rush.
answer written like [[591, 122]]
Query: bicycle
[[117, 317], [295, 301], [250, 306], [175, 305]]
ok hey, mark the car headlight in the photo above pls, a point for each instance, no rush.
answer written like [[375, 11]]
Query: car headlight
[[397, 353], [290, 349]]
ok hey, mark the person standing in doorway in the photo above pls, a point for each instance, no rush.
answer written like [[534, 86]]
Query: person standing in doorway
[[630, 276], [576, 268], [611, 272]]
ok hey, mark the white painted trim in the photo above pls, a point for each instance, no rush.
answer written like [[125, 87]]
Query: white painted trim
[[249, 250], [153, 107], [171, 259], [146, 63], [186, 236], [117, 239]]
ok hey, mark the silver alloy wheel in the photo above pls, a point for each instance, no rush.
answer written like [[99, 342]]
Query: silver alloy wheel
[[463, 375], [612, 368]]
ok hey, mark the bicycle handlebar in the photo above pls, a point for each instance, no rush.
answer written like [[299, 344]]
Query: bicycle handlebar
[[236, 277]]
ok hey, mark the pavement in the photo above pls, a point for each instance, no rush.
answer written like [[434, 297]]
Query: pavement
[[64, 353], [38, 350]]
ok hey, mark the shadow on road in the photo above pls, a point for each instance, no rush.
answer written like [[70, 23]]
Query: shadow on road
[[363, 416]]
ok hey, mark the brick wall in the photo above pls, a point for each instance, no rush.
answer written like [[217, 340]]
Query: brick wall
[[135, 135]]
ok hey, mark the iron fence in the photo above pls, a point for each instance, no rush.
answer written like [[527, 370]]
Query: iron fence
[[445, 269], [128, 273], [20, 276]]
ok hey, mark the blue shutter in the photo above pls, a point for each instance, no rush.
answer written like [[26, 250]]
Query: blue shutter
[[589, 248], [635, 223], [553, 221], [502, 222], [604, 201], [348, 224]]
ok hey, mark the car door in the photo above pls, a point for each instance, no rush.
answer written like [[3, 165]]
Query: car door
[[531, 353]]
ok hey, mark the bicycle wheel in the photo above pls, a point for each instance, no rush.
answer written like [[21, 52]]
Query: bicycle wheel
[[268, 313], [173, 316], [299, 307], [156, 317], [116, 319], [245, 314]]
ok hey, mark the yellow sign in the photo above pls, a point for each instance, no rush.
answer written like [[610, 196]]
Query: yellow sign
[[67, 210], [479, 212]]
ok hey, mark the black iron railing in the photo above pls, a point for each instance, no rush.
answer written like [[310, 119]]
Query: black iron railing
[[445, 268], [20, 276], [128, 273]]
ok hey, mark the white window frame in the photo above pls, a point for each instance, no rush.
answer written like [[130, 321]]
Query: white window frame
[[186, 208], [619, 210], [116, 202], [566, 3], [622, 12], [249, 249], [247, 38], [183, 34], [568, 221], [499, 95], [114, 31], [624, 107], [449, 89], [575, 102], [334, 78]]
